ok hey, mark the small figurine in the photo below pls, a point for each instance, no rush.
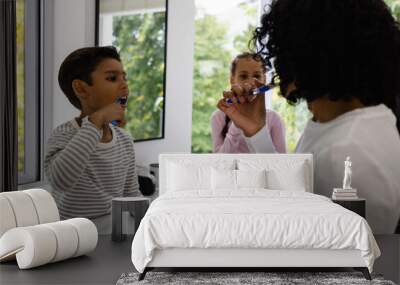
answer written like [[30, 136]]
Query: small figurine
[[347, 174]]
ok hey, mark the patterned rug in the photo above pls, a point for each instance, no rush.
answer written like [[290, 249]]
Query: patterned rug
[[243, 278]]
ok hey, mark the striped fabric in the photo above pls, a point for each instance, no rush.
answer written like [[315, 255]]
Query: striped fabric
[[86, 174]]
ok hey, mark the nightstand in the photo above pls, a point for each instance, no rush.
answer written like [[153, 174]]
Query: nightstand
[[355, 205], [136, 205]]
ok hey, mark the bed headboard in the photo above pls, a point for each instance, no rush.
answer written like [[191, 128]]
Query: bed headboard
[[209, 159]]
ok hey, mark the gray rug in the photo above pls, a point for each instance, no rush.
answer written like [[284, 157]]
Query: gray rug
[[243, 278]]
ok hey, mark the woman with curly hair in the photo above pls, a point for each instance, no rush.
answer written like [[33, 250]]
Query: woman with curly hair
[[343, 58]]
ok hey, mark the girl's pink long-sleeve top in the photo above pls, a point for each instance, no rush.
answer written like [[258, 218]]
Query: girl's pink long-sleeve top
[[236, 142]]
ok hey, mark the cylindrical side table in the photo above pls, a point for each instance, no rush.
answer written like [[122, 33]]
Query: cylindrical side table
[[136, 205], [154, 170]]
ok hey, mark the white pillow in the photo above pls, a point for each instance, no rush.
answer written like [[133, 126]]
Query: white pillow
[[223, 179], [251, 178], [188, 177], [226, 179], [282, 174], [187, 174], [294, 180]]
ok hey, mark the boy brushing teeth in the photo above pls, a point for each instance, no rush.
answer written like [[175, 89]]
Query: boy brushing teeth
[[89, 161]]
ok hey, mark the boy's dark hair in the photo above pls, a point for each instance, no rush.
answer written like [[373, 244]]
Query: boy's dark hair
[[335, 48], [79, 65], [247, 55]]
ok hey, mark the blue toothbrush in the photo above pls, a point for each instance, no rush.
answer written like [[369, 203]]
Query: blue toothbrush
[[262, 89], [121, 101], [259, 90]]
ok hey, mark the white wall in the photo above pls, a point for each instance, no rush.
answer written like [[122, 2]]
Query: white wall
[[74, 28], [179, 82]]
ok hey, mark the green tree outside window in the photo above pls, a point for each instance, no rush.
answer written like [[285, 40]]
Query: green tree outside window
[[20, 53], [211, 74], [140, 39], [213, 54]]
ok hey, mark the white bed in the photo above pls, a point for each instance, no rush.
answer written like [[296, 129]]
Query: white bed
[[201, 219]]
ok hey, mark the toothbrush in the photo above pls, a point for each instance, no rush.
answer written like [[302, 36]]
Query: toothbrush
[[262, 89], [121, 101], [256, 91]]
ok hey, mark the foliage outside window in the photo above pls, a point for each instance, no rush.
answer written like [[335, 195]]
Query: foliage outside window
[[394, 6], [139, 35], [28, 71], [218, 40], [20, 43], [215, 47]]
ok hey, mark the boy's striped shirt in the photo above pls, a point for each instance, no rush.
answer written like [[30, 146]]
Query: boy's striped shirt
[[86, 174]]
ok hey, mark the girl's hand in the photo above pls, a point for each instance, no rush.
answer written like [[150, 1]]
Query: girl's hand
[[247, 112]]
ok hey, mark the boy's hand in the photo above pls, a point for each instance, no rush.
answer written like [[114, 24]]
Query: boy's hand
[[106, 115]]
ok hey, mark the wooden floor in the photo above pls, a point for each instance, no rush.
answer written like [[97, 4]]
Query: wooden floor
[[111, 259]]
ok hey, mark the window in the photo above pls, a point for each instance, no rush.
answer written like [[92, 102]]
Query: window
[[28, 100], [394, 6], [223, 30], [294, 118], [138, 30]]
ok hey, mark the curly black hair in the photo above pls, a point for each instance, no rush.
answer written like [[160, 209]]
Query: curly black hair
[[79, 65], [341, 49]]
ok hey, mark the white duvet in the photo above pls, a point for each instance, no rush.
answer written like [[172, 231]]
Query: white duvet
[[253, 218]]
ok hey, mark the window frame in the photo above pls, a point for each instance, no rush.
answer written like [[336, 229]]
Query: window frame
[[97, 27]]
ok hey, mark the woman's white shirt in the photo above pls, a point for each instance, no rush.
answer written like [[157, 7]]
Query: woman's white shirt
[[370, 137]]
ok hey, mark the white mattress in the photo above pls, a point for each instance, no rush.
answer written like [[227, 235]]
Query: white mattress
[[252, 218]]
